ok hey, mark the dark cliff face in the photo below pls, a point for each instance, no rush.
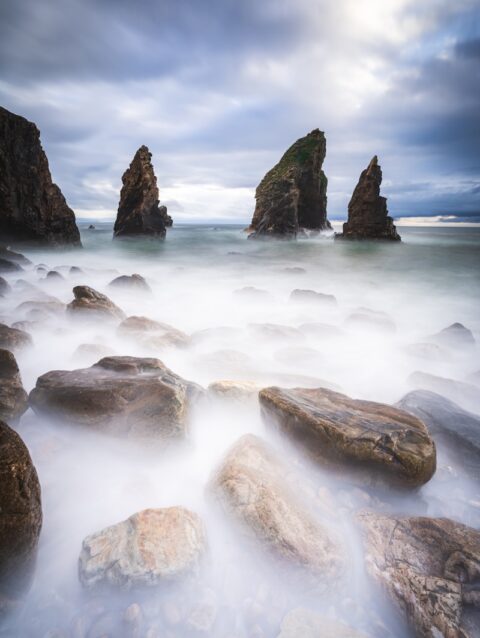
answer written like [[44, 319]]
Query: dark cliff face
[[32, 207], [293, 194], [367, 211], [138, 210]]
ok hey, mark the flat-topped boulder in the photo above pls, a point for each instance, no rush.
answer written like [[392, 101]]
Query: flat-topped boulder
[[93, 304], [13, 338], [151, 333], [150, 548], [21, 517], [13, 398], [429, 567], [33, 207], [250, 487], [125, 396], [367, 210], [372, 440], [293, 194]]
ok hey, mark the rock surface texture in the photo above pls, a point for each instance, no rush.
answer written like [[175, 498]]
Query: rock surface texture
[[13, 339], [21, 517], [91, 303], [32, 207], [13, 398], [375, 440], [127, 396], [430, 567], [138, 210], [293, 194], [251, 488], [149, 548], [367, 211]]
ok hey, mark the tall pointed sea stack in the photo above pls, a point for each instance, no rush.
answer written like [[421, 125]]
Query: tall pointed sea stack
[[138, 210], [293, 194], [32, 207], [367, 211]]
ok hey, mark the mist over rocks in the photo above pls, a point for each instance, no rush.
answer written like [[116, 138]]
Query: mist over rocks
[[14, 339], [292, 196], [13, 398], [32, 207], [139, 212], [133, 282], [93, 304], [367, 210]]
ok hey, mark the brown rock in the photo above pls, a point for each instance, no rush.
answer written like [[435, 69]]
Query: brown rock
[[89, 302], [135, 282], [13, 398], [13, 339], [372, 440], [152, 334]]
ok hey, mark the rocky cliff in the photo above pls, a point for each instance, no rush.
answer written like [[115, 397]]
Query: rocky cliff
[[293, 194], [32, 207], [367, 211], [138, 210]]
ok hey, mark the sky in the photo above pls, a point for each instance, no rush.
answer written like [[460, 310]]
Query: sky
[[219, 89]]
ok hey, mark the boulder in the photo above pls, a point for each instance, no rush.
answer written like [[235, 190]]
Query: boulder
[[90, 303], [9, 266], [152, 334], [40, 310], [234, 390], [4, 286], [455, 336], [304, 623], [53, 275], [21, 519], [150, 548], [293, 194], [135, 282], [138, 210], [250, 486], [312, 296], [372, 320], [13, 339], [126, 396], [13, 398], [33, 207], [367, 210], [429, 567], [11, 255], [465, 394], [372, 440]]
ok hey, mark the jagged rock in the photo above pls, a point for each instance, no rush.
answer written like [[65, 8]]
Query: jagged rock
[[33, 207], [293, 194], [308, 296], [89, 302], [465, 394], [455, 336], [13, 339], [126, 396], [152, 334], [5, 287], [429, 567], [373, 440], [250, 486], [367, 210], [149, 548], [21, 517], [304, 623], [138, 210], [13, 398], [136, 282]]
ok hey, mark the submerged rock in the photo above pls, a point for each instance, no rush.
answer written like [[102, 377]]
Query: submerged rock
[[33, 207], [13, 398], [91, 303], [373, 440], [455, 336], [367, 211], [13, 339], [304, 623], [293, 194], [428, 566], [135, 282], [151, 333], [21, 517], [149, 548], [373, 320], [465, 394], [308, 296], [250, 486], [138, 210], [126, 396]]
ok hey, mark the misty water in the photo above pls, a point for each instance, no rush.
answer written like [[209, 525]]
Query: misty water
[[198, 278]]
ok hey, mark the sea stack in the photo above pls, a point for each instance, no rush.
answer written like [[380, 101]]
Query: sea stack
[[138, 210], [367, 211], [293, 194], [32, 207]]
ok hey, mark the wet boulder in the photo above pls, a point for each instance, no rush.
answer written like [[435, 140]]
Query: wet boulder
[[250, 487], [91, 303], [133, 282], [152, 334], [21, 517], [150, 548], [13, 398], [465, 394], [429, 567], [372, 440], [125, 396], [13, 339]]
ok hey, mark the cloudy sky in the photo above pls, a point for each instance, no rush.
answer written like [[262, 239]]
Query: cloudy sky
[[218, 89]]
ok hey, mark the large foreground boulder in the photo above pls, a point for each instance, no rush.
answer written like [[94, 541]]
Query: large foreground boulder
[[250, 487], [13, 338], [93, 304], [138, 210], [367, 210], [20, 517], [429, 567], [373, 440], [293, 194], [149, 548], [32, 206], [13, 398], [127, 396]]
